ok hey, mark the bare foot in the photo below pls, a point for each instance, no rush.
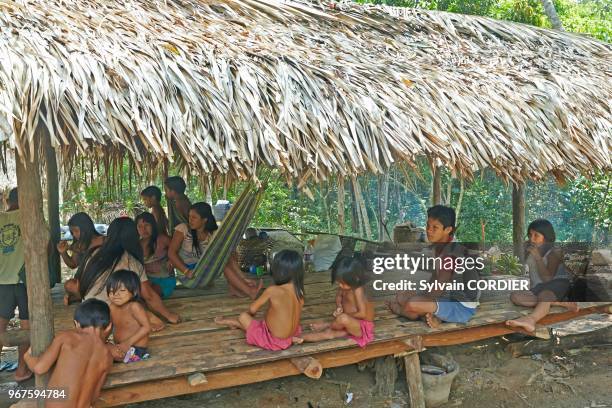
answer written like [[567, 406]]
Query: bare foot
[[432, 321], [319, 326], [23, 374], [156, 323], [571, 306], [526, 322], [173, 318], [394, 307], [235, 293], [297, 340], [255, 290], [231, 323]]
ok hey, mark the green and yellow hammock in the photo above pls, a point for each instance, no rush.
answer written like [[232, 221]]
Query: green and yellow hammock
[[226, 239]]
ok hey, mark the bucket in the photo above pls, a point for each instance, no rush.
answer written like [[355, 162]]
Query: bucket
[[437, 376]]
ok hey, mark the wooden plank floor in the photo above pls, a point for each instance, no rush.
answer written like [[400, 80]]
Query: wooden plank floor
[[198, 345]]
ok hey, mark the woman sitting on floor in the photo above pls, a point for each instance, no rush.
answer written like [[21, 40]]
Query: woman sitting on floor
[[121, 250], [85, 238], [548, 277], [155, 252], [189, 242]]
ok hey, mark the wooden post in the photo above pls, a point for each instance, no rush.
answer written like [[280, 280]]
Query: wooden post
[[341, 224], [53, 207], [386, 374], [36, 238], [383, 196], [415, 383], [518, 219], [436, 190]]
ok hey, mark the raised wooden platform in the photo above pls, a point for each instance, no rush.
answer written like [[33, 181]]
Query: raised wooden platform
[[198, 345]]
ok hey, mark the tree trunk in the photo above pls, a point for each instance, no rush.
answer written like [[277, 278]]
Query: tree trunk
[[383, 198], [36, 238], [341, 225], [551, 13], [459, 201], [518, 219], [362, 208], [436, 190], [53, 202]]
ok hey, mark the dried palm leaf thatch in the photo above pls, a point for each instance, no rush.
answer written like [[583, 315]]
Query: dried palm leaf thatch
[[312, 89]]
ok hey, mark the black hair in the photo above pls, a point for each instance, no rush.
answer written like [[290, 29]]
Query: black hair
[[121, 237], [92, 313], [13, 196], [288, 266], [87, 230], [545, 228], [176, 183], [204, 210], [149, 219], [129, 279], [152, 191], [446, 216], [350, 270]]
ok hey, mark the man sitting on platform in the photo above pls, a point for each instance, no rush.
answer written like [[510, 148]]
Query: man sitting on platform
[[438, 305]]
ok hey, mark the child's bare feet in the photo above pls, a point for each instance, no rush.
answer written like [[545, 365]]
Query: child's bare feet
[[526, 322], [23, 374], [297, 340], [571, 306], [394, 307], [432, 321], [231, 323], [320, 326]]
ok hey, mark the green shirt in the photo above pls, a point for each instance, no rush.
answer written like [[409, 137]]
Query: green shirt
[[11, 248]]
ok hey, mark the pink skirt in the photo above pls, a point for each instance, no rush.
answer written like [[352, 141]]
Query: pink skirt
[[258, 334]]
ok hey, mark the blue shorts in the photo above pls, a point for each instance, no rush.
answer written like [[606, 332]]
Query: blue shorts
[[167, 285], [453, 312]]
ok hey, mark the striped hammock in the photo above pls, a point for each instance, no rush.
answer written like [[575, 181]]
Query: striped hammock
[[224, 242]]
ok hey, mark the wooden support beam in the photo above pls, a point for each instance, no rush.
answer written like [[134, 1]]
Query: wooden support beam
[[414, 381], [518, 219], [386, 374], [309, 366], [36, 238], [241, 375]]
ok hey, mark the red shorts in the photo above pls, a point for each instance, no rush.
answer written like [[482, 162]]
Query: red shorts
[[367, 333], [258, 334]]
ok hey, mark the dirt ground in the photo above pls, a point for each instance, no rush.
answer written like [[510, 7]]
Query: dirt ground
[[489, 377]]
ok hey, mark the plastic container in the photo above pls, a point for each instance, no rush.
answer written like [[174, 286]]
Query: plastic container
[[437, 379]]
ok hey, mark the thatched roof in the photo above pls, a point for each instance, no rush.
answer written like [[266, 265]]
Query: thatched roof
[[312, 90]]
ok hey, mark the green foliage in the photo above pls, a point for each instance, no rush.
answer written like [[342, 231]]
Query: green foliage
[[508, 264], [590, 17]]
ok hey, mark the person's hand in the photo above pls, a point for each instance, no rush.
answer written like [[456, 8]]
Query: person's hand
[[533, 250], [123, 347], [338, 311], [62, 247], [188, 273]]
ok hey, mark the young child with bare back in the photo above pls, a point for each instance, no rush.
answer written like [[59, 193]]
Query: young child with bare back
[[131, 325], [285, 300], [354, 314], [80, 357]]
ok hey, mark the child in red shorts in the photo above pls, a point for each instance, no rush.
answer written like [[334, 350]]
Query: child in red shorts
[[354, 314], [281, 325]]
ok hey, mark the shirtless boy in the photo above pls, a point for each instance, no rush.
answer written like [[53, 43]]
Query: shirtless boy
[[80, 356]]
